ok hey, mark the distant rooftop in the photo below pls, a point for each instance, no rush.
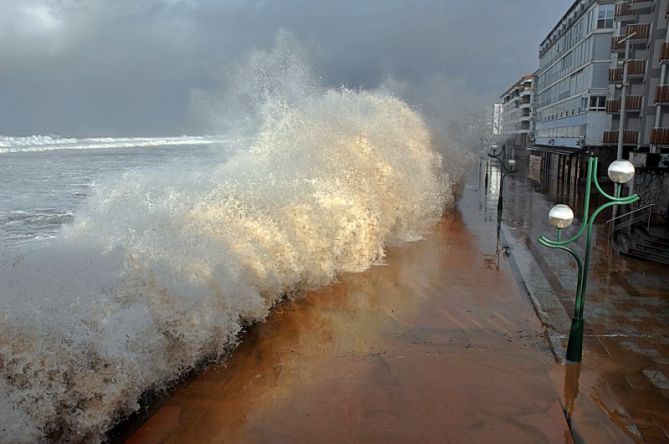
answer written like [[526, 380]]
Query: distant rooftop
[[517, 83], [571, 9]]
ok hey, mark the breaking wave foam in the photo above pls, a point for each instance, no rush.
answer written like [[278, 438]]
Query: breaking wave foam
[[162, 269], [50, 143]]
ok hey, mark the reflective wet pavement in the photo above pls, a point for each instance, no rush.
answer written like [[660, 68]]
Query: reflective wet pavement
[[620, 392], [438, 346]]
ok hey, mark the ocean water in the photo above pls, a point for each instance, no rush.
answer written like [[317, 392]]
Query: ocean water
[[43, 185], [121, 268]]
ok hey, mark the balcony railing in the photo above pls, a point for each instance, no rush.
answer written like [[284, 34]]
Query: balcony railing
[[642, 30], [662, 94], [623, 10], [632, 104], [640, 4], [617, 44], [630, 137], [613, 106], [664, 54], [636, 68], [659, 136], [615, 75]]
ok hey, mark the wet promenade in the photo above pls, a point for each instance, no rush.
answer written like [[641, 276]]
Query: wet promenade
[[437, 346], [620, 393]]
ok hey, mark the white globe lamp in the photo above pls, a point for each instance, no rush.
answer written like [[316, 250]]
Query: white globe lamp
[[561, 216], [621, 171]]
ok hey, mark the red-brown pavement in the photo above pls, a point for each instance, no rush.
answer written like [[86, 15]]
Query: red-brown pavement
[[439, 345]]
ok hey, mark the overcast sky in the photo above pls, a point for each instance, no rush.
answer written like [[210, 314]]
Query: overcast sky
[[127, 67]]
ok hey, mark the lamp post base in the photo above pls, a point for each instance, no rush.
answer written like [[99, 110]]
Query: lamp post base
[[575, 345]]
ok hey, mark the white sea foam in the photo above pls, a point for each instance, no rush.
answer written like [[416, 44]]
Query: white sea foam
[[162, 269], [51, 143]]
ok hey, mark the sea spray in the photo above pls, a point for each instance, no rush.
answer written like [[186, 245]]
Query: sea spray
[[161, 269]]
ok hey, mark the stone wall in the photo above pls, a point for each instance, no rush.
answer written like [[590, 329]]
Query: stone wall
[[652, 185]]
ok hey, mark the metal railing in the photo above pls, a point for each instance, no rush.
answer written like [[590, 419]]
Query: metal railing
[[659, 136], [630, 137], [632, 217], [662, 94], [664, 54], [641, 30], [634, 68], [623, 9]]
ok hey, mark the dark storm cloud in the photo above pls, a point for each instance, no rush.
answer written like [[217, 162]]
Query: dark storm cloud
[[99, 67]]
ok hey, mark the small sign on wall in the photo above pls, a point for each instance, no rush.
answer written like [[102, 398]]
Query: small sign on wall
[[535, 167], [638, 159]]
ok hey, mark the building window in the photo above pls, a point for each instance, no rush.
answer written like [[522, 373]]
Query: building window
[[605, 17], [597, 103]]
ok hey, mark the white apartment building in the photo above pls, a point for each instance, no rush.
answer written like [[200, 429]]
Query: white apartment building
[[518, 112], [572, 80]]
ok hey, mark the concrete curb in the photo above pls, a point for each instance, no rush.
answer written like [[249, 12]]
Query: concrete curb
[[531, 280]]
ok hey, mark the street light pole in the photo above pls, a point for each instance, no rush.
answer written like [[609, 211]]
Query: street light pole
[[623, 98], [507, 166], [561, 217], [623, 104]]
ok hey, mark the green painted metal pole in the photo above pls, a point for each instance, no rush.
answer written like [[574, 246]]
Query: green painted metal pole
[[576, 331]]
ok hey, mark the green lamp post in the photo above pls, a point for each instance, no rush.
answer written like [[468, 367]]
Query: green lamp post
[[561, 217]]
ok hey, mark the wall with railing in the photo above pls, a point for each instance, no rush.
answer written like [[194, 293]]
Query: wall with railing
[[652, 185]]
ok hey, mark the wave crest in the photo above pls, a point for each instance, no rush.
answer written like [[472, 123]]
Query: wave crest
[[160, 270]]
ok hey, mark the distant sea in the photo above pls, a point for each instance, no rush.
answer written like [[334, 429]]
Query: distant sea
[[44, 180]]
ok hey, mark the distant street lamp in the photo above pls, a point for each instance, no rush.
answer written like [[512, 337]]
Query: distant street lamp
[[561, 217], [507, 166]]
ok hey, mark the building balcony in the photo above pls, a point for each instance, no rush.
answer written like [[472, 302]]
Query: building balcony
[[615, 75], [659, 136], [613, 106], [664, 53], [616, 44], [624, 12], [662, 94], [630, 137], [632, 104], [637, 5], [640, 31], [635, 69]]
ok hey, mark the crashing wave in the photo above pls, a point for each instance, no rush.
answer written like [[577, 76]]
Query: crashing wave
[[161, 269]]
